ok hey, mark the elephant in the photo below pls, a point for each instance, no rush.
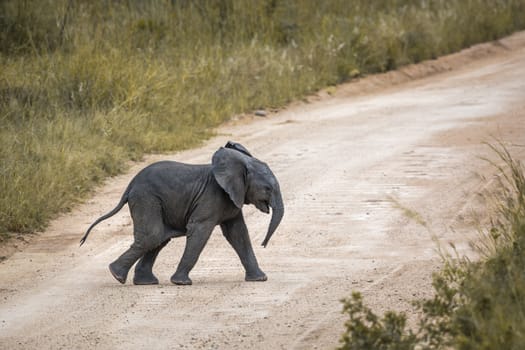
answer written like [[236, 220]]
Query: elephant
[[168, 199]]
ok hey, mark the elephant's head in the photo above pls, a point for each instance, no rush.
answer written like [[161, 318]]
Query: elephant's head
[[247, 180]]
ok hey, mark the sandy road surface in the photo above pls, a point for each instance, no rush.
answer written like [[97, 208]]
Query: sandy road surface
[[340, 161]]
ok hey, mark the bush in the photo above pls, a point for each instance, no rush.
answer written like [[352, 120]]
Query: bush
[[365, 330]]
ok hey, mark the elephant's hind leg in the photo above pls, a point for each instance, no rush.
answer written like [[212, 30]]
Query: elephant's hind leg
[[197, 236], [148, 231], [144, 268], [120, 267]]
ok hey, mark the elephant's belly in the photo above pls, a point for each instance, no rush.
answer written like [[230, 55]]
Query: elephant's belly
[[172, 233]]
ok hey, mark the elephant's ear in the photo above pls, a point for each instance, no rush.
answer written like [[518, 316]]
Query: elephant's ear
[[229, 170]]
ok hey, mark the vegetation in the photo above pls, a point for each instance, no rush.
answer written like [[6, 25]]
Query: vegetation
[[87, 85], [477, 305]]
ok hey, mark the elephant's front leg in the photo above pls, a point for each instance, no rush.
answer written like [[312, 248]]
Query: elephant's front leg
[[198, 234], [236, 233]]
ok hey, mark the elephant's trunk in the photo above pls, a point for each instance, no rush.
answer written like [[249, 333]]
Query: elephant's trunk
[[276, 203]]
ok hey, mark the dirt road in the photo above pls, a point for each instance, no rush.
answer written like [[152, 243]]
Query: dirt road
[[360, 171]]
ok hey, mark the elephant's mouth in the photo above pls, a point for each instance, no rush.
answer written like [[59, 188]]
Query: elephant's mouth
[[263, 206]]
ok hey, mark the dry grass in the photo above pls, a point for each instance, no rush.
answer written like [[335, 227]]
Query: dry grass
[[87, 85]]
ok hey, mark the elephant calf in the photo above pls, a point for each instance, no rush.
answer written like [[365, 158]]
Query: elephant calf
[[169, 199]]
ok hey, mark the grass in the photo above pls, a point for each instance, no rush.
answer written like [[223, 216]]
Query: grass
[[86, 86], [477, 304]]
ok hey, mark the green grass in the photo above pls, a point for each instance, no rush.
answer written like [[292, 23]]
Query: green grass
[[477, 304], [85, 86]]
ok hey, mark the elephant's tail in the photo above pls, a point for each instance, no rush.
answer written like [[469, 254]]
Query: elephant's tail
[[115, 210]]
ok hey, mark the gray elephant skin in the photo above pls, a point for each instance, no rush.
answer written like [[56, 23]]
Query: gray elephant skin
[[169, 199]]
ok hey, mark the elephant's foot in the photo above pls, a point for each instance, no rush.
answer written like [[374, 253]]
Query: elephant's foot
[[119, 273], [258, 276], [181, 279], [143, 279], [143, 274]]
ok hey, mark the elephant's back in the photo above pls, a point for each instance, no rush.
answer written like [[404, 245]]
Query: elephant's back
[[170, 176], [173, 185]]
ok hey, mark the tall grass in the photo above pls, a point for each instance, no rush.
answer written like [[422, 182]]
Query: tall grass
[[477, 305], [87, 85]]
